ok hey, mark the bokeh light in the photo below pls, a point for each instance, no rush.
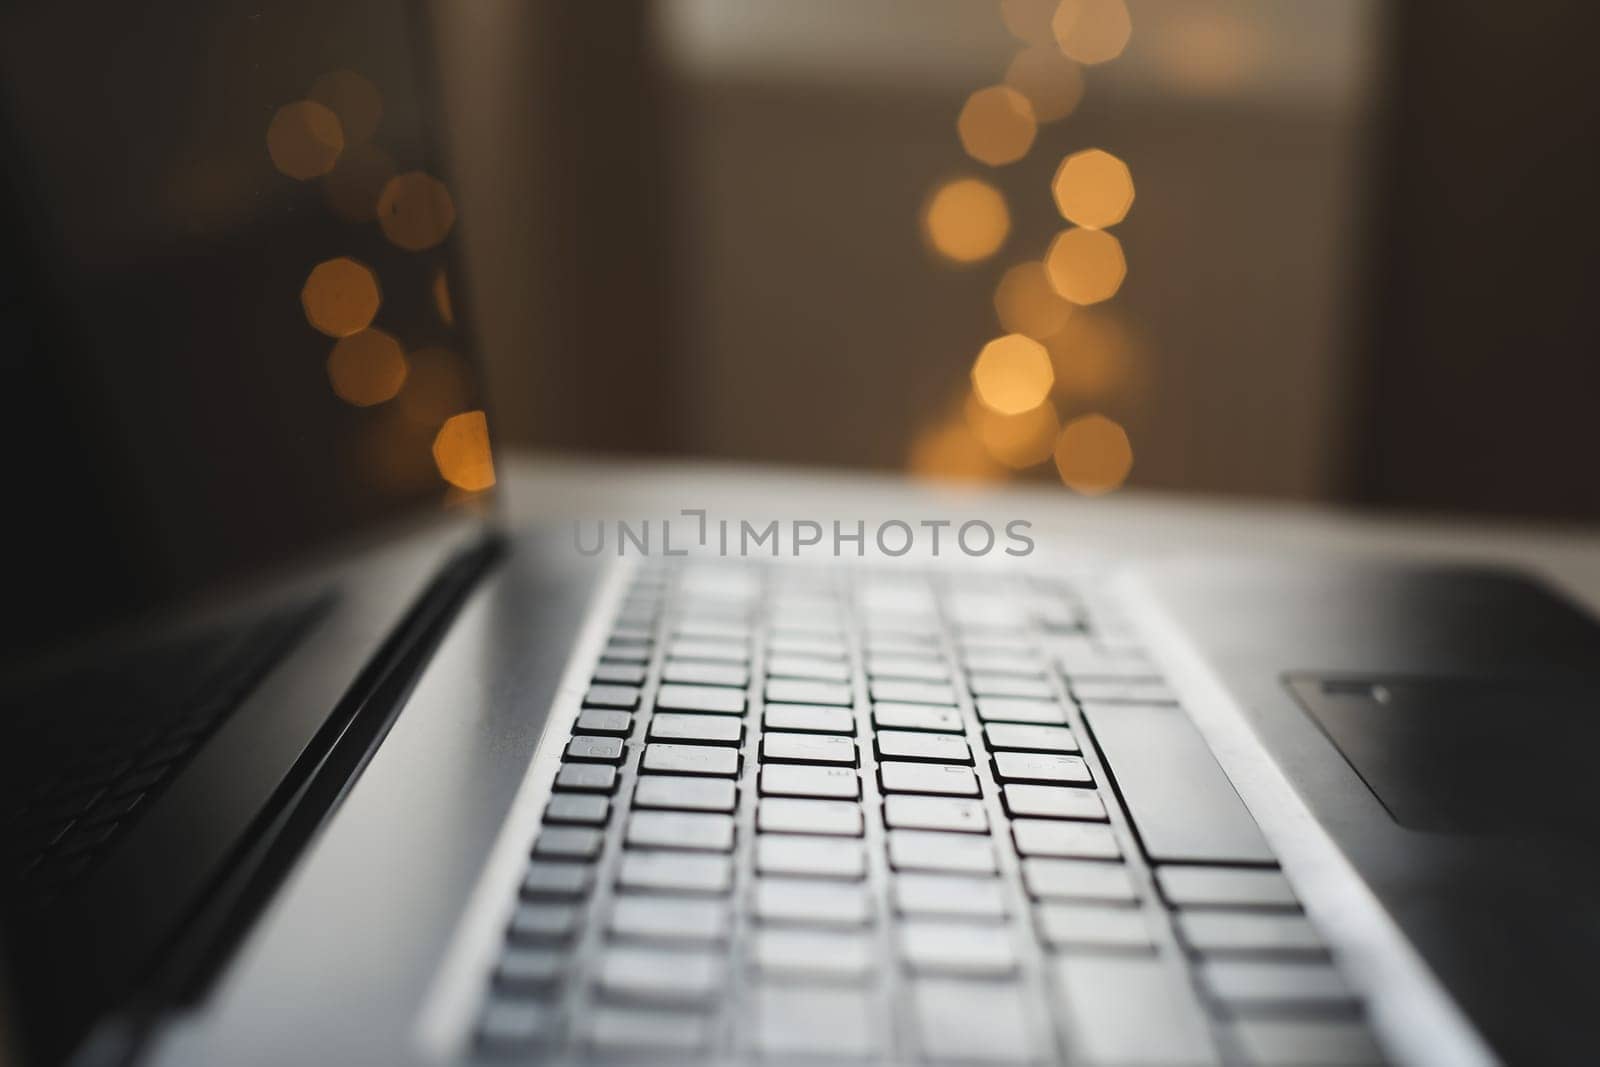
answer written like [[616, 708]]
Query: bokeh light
[[353, 98], [996, 125], [441, 298], [415, 211], [1092, 31], [1093, 455], [304, 139], [436, 387], [1093, 189], [966, 220], [1018, 441], [353, 186], [1095, 356], [1012, 374], [367, 368], [1029, 20], [461, 452], [340, 297], [950, 451], [1052, 83], [1085, 266], [1026, 302]]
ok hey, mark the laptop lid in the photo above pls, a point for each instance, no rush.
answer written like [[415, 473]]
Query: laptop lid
[[247, 443]]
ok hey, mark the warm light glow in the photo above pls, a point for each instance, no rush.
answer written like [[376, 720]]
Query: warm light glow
[[1029, 20], [966, 220], [1052, 83], [441, 298], [435, 389], [304, 139], [353, 98], [1094, 356], [1092, 31], [996, 125], [340, 297], [950, 452], [1093, 189], [1027, 304], [1012, 374], [1018, 441], [352, 188], [367, 368], [1093, 455], [415, 211], [1086, 266], [461, 451]]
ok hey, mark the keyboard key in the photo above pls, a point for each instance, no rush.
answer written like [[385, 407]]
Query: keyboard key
[[1216, 933], [510, 1024], [685, 794], [1130, 1011], [985, 684], [802, 691], [935, 778], [1052, 879], [686, 726], [1053, 802], [954, 895], [795, 816], [1003, 661], [931, 946], [658, 918], [1041, 767], [1276, 985], [557, 880], [624, 697], [1107, 691], [809, 718], [708, 698], [596, 721], [628, 972], [680, 829], [690, 759], [910, 745], [978, 1022], [917, 717], [1003, 736], [808, 748], [929, 850], [911, 668], [799, 780], [712, 651], [543, 922], [814, 668], [897, 692], [620, 674], [801, 900], [1182, 805], [568, 842], [1224, 887], [622, 652], [1307, 1043], [641, 1029], [525, 969], [797, 1020], [578, 808], [935, 813], [698, 672], [835, 954], [1093, 926], [597, 749], [811, 645], [682, 872], [1067, 840], [586, 778], [1009, 709], [711, 629], [812, 857]]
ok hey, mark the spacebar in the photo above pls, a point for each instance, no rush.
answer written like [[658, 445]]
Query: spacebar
[[1182, 805]]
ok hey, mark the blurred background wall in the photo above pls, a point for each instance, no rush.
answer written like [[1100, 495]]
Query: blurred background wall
[[699, 227]]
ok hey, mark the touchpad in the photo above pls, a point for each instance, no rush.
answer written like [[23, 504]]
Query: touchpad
[[1466, 755]]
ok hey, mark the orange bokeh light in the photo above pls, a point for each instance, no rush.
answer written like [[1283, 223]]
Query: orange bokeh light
[[1029, 20], [415, 211], [1093, 455], [1028, 304], [340, 297], [304, 139], [1086, 266], [441, 298], [1018, 441], [461, 452], [367, 368], [1093, 188], [996, 125], [353, 98], [966, 220], [1052, 83], [1092, 31], [1012, 374], [951, 452]]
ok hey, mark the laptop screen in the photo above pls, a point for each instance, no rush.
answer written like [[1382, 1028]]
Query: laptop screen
[[239, 332]]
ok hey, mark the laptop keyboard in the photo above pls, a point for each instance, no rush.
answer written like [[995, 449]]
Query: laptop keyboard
[[872, 815]]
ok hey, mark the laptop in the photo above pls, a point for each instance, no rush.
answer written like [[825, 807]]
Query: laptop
[[312, 757]]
